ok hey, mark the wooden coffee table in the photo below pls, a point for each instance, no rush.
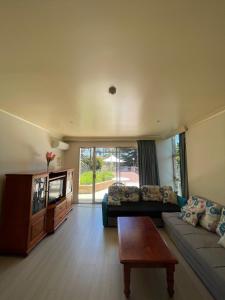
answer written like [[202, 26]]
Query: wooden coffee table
[[141, 246]]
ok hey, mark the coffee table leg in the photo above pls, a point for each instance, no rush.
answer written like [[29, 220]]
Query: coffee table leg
[[170, 279], [126, 271]]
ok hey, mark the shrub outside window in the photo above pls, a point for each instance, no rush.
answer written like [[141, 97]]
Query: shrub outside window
[[176, 164]]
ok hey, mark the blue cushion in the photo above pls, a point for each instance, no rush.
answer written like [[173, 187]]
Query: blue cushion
[[181, 201]]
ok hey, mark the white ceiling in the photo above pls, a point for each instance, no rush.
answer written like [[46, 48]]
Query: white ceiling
[[58, 58]]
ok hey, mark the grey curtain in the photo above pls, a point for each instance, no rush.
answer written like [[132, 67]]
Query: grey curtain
[[148, 165], [183, 165]]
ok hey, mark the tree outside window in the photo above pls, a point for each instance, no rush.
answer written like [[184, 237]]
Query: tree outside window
[[176, 164]]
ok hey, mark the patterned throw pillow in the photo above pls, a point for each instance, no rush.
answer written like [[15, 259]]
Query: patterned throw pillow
[[151, 193], [221, 225], [193, 210], [114, 200], [168, 195], [130, 194], [192, 216], [197, 202], [183, 211], [194, 202], [115, 194], [211, 217]]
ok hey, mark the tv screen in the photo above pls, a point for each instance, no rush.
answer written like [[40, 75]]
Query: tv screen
[[55, 191]]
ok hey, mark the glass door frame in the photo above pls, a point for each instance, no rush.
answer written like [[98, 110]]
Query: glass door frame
[[93, 150], [94, 176], [117, 168]]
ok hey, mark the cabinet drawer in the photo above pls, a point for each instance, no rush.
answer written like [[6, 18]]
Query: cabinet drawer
[[60, 218], [60, 208], [37, 228]]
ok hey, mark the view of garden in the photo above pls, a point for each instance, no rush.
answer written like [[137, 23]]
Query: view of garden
[[110, 165], [87, 176]]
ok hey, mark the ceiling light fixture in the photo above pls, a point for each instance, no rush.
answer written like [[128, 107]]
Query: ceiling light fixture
[[112, 90]]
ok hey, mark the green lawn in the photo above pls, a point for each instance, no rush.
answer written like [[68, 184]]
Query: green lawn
[[87, 177]]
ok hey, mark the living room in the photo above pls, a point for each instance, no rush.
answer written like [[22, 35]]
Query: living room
[[104, 76]]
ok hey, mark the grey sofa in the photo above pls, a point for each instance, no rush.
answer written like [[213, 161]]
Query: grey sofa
[[201, 250]]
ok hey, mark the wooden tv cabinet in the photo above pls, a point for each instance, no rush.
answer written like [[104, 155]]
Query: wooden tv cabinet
[[26, 215]]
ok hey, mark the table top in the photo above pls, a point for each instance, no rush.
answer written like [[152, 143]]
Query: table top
[[140, 242]]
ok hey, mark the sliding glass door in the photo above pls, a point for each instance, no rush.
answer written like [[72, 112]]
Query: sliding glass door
[[101, 167], [105, 172], [86, 175], [127, 172]]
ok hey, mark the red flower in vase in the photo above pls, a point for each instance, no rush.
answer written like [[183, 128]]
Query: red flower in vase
[[49, 157]]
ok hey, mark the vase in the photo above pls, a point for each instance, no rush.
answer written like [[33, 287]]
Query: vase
[[48, 162]]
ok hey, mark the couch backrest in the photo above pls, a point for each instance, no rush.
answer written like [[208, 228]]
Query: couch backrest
[[125, 193], [151, 192], [145, 193]]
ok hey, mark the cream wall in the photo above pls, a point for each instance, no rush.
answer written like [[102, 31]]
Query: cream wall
[[71, 158], [165, 162], [206, 158], [23, 147]]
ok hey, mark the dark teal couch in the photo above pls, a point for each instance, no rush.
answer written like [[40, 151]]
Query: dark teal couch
[[152, 209]]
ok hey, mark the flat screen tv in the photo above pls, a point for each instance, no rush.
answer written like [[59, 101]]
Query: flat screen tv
[[55, 190]]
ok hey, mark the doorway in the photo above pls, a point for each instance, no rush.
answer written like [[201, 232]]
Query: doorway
[[101, 167]]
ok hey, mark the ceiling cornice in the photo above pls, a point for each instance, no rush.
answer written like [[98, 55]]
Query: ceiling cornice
[[194, 123], [51, 133], [109, 139], [174, 132], [212, 115]]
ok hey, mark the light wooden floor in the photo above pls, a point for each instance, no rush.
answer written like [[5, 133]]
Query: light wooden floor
[[80, 262]]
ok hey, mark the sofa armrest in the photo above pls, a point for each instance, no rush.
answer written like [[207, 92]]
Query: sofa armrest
[[105, 210]]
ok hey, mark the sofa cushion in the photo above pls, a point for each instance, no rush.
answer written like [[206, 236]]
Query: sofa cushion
[[115, 194], [116, 190], [181, 226], [192, 216], [221, 225], [130, 194], [202, 239], [193, 210], [181, 201], [211, 217], [168, 195], [119, 194], [114, 200], [151, 192], [197, 202], [214, 256]]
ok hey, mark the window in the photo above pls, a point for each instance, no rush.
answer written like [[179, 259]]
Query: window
[[176, 164], [127, 171]]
